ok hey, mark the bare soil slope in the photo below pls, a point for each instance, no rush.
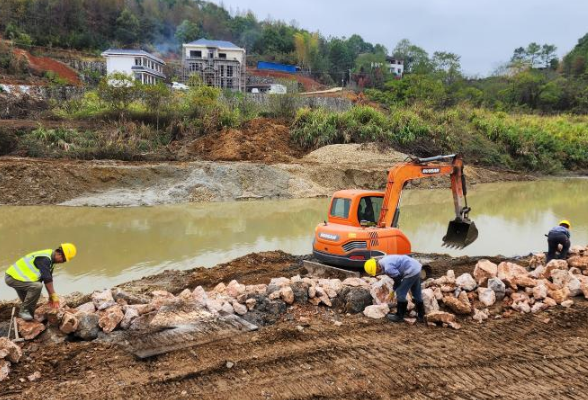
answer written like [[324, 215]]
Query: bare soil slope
[[261, 139]]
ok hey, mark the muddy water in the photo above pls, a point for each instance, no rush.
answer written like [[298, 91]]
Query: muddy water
[[121, 244]]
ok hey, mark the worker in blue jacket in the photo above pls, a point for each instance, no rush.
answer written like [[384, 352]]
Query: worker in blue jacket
[[560, 235], [406, 272]]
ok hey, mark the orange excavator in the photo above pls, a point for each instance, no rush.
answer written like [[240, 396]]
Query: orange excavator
[[364, 224]]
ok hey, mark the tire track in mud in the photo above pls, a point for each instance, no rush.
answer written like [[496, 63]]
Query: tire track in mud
[[521, 357]]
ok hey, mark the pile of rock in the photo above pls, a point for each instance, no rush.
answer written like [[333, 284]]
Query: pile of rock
[[493, 289], [9, 353], [261, 304], [506, 288]]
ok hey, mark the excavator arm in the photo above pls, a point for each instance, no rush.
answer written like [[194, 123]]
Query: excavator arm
[[461, 231]]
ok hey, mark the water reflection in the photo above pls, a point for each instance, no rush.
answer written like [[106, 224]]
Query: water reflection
[[116, 245]]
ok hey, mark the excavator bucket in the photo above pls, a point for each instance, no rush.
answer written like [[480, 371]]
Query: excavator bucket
[[460, 233]]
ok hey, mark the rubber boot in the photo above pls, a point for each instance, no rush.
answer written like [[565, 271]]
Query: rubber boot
[[25, 315], [420, 307], [400, 312]]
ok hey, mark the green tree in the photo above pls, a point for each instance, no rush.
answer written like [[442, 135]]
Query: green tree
[[416, 59], [340, 60], [127, 27], [548, 56], [305, 44], [156, 97], [187, 32], [118, 91], [574, 63], [525, 88], [447, 65], [534, 56], [415, 88]]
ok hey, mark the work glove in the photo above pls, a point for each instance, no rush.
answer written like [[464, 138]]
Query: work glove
[[54, 300]]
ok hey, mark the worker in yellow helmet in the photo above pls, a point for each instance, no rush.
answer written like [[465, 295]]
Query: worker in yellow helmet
[[28, 274], [406, 272], [559, 236]]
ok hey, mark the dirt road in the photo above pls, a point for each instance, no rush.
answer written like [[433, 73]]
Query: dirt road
[[525, 357]]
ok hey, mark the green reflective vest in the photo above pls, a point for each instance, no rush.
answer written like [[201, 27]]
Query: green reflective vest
[[24, 270]]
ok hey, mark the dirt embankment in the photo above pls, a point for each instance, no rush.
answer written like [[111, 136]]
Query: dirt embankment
[[261, 139], [41, 65], [109, 183], [316, 353]]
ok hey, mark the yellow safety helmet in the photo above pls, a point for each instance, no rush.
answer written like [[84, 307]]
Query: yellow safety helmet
[[371, 266], [69, 251], [566, 222]]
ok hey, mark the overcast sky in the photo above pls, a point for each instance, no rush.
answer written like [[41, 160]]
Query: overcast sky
[[483, 32]]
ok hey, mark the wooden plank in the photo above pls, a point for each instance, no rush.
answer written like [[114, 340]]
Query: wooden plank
[[319, 270]]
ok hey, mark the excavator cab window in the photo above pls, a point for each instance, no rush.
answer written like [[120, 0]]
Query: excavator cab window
[[340, 208], [369, 209]]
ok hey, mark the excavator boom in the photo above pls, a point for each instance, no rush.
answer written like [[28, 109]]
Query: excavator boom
[[461, 231]]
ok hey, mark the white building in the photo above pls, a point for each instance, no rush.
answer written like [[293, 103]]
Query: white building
[[395, 66], [138, 64], [220, 64]]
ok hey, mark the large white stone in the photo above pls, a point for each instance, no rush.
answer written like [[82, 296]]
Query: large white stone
[[466, 282], [575, 287], [376, 311], [430, 301], [486, 296], [485, 270], [382, 291], [560, 277], [480, 315], [540, 292], [498, 287]]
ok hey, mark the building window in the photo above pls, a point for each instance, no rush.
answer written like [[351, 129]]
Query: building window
[[194, 67], [138, 61], [195, 54], [211, 54], [222, 55], [222, 70], [229, 70]]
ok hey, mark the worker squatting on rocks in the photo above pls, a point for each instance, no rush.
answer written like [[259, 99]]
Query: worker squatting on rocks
[[28, 274], [406, 273], [560, 235]]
